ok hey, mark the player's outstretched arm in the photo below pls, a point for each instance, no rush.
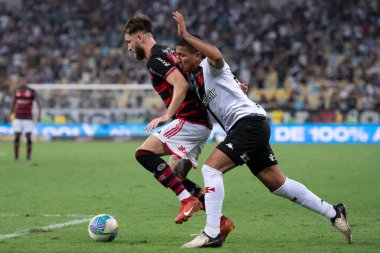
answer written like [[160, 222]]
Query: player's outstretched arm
[[214, 56]]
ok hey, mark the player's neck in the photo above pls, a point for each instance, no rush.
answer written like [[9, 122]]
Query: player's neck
[[148, 48]]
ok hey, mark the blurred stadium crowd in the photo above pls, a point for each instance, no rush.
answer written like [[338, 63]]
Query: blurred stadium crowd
[[316, 55]]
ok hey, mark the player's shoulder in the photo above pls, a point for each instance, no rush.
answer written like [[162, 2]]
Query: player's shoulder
[[161, 57], [162, 53], [161, 50]]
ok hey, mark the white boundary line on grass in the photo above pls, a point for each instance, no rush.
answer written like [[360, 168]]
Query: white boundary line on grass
[[43, 229], [47, 215]]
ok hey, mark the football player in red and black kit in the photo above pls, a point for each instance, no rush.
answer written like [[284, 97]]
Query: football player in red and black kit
[[21, 107], [186, 134]]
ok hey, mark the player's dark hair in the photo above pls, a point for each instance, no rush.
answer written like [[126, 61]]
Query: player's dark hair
[[138, 23], [183, 43]]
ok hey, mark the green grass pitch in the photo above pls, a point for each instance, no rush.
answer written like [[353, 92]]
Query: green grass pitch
[[74, 181]]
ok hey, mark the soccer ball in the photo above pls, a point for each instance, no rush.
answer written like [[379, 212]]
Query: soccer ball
[[103, 228]]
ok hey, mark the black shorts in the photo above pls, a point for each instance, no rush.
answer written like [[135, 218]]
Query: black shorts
[[248, 142]]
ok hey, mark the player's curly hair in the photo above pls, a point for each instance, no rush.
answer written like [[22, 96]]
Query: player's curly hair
[[138, 23]]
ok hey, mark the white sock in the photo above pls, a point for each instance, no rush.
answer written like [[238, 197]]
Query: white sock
[[183, 195], [214, 196], [298, 193]]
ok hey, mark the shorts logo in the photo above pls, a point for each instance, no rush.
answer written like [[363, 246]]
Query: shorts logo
[[230, 146], [210, 189], [272, 157], [245, 157], [161, 167], [182, 149]]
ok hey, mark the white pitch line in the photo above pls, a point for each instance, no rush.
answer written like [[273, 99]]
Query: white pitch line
[[70, 215], [43, 229], [47, 215]]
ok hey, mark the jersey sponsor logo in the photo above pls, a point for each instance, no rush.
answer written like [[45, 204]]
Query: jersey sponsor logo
[[210, 189], [210, 95], [23, 101], [165, 63]]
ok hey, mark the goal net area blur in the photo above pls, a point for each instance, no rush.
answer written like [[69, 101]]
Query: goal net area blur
[[98, 103]]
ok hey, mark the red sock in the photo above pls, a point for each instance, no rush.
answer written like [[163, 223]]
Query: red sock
[[160, 169]]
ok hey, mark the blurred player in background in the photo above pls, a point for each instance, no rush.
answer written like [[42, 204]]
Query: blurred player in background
[[247, 140], [183, 137], [21, 112]]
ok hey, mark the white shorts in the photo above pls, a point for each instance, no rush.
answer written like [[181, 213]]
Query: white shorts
[[184, 139], [23, 125]]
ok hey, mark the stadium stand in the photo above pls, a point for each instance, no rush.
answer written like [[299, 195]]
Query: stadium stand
[[300, 57]]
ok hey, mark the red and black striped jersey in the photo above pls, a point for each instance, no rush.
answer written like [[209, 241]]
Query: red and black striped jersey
[[160, 64], [24, 97]]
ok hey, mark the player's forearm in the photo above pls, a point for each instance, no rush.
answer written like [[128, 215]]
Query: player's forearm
[[209, 50], [179, 95]]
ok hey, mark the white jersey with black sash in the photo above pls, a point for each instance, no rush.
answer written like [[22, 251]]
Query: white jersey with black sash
[[220, 92]]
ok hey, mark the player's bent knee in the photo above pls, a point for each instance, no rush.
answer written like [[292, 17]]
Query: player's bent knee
[[173, 160], [181, 168]]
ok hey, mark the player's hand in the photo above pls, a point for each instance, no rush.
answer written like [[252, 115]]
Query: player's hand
[[156, 123], [178, 17], [244, 87], [11, 117]]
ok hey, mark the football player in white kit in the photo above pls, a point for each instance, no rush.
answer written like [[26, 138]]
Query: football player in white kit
[[247, 140]]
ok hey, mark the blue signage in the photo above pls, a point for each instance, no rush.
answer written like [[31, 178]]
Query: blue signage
[[281, 133], [326, 133]]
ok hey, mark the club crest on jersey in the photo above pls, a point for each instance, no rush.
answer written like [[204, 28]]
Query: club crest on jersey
[[210, 95], [199, 78]]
